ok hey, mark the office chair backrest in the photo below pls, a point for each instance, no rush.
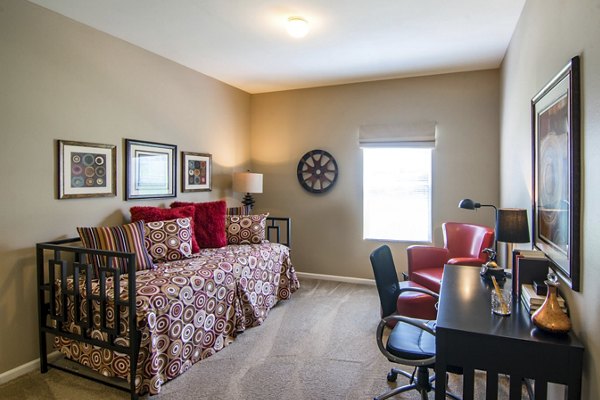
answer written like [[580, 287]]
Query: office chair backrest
[[386, 279]]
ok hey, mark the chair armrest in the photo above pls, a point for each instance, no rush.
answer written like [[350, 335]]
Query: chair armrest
[[466, 261], [420, 290], [420, 257], [419, 323]]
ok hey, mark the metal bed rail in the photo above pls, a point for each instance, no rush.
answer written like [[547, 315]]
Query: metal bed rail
[[279, 230], [57, 263]]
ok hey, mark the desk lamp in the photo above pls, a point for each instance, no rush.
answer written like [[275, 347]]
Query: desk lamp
[[469, 204]]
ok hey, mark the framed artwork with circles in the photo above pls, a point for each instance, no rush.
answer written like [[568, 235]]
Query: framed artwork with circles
[[196, 170], [86, 170], [317, 171], [555, 113]]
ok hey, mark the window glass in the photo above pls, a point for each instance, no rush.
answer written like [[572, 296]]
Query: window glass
[[397, 193]]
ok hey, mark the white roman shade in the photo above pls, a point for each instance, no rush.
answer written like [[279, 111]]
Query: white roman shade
[[415, 134]]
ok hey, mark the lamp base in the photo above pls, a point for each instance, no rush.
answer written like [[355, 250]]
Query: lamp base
[[508, 257], [248, 201]]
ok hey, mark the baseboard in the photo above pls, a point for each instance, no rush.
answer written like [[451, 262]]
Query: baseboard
[[345, 279], [25, 368]]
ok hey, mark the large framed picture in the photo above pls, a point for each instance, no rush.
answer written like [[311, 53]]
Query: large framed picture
[[556, 172], [86, 170], [196, 171], [150, 170]]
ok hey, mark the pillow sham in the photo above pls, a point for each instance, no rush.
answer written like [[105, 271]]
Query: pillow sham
[[246, 229], [126, 238], [169, 240], [152, 214], [209, 222]]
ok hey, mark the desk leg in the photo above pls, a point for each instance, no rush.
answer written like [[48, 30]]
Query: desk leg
[[468, 383], [440, 366], [491, 385], [440, 381], [515, 387], [575, 371]]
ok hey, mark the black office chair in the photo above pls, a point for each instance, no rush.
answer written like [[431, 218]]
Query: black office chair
[[411, 341]]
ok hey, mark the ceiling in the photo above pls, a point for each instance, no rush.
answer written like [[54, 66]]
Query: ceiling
[[244, 42]]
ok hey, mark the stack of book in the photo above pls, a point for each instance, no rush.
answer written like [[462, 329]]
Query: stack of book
[[533, 301]]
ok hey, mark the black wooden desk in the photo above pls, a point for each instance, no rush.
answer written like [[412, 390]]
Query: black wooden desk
[[470, 336]]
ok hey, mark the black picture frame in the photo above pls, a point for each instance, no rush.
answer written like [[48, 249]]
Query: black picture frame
[[196, 172], [150, 170], [86, 170], [555, 119]]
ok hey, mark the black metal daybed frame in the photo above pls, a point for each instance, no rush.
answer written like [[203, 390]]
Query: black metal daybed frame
[[52, 319], [67, 260]]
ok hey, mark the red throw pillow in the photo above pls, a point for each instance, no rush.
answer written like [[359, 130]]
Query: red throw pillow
[[153, 214], [209, 222]]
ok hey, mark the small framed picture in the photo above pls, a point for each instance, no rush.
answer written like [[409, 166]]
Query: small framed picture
[[196, 171], [149, 170], [86, 170]]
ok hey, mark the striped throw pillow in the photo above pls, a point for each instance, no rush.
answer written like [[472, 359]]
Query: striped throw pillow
[[242, 210], [127, 238]]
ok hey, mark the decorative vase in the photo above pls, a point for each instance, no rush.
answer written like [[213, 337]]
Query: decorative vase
[[550, 317]]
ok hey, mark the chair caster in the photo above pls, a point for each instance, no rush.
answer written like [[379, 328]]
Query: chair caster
[[392, 376]]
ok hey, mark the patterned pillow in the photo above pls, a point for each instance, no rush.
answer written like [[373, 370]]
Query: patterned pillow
[[245, 229], [169, 240], [152, 214], [126, 238]]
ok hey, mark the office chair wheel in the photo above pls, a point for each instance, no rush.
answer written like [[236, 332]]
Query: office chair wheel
[[392, 376]]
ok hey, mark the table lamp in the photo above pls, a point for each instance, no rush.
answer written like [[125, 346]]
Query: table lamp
[[512, 227], [248, 182]]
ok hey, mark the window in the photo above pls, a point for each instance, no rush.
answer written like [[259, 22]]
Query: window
[[397, 193]]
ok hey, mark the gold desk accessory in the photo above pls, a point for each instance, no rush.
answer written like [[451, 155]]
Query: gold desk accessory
[[550, 317]]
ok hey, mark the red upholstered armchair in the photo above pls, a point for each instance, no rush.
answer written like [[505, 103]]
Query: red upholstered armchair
[[463, 245]]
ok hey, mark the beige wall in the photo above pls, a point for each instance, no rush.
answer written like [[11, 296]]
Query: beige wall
[[327, 229], [62, 80], [549, 33]]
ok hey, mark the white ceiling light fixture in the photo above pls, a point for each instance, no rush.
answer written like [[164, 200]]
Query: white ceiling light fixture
[[297, 27]]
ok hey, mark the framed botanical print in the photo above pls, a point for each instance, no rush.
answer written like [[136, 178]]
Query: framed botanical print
[[196, 171], [555, 113], [86, 170], [150, 170]]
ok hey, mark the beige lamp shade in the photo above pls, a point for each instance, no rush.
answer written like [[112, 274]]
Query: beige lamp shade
[[247, 182]]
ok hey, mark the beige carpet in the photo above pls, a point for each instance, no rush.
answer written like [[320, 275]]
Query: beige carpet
[[318, 345]]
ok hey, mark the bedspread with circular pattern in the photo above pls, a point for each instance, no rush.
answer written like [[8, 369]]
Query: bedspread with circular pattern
[[188, 310]]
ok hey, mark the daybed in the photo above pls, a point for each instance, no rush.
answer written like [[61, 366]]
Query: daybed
[[153, 325]]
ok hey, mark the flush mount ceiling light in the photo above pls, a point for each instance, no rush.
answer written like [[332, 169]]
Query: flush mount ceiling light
[[297, 27]]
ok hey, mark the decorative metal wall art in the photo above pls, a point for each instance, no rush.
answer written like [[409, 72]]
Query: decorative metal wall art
[[317, 171]]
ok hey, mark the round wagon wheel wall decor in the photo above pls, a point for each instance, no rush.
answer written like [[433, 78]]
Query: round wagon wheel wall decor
[[317, 171]]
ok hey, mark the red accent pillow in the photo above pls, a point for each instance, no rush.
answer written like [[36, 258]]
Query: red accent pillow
[[153, 214], [209, 222]]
